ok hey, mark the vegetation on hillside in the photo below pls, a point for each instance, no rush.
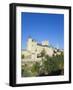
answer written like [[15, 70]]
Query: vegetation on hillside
[[48, 66]]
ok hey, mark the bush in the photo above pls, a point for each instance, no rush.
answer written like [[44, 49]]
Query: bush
[[52, 64], [35, 69], [48, 66]]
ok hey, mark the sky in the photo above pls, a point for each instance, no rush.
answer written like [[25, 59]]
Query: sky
[[43, 26]]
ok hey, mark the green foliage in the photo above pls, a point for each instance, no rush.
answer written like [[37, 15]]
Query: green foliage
[[22, 56], [35, 68], [52, 64], [26, 71], [47, 66]]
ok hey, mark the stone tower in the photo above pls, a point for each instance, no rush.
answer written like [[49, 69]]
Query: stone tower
[[29, 44]]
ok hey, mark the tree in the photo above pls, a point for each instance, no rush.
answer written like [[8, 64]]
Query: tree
[[52, 65], [35, 69], [48, 66], [22, 56]]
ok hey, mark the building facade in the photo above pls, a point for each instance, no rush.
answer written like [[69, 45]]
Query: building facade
[[34, 49]]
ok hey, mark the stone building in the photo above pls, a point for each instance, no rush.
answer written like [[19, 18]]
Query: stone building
[[34, 49]]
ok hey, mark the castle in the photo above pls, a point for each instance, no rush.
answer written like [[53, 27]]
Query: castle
[[34, 49]]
